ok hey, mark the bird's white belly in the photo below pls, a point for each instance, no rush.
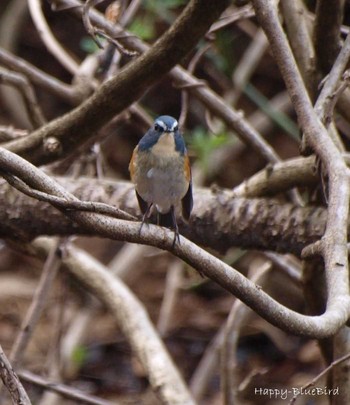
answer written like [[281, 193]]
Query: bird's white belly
[[163, 184]]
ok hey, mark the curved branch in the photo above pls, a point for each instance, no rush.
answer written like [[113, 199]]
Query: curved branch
[[53, 46], [327, 324], [273, 179], [333, 245], [132, 319], [35, 115], [37, 76]]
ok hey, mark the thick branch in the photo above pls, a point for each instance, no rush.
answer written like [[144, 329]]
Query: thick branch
[[247, 223], [329, 16]]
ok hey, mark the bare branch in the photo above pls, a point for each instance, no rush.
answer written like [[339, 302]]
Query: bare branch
[[232, 329], [324, 325], [39, 77], [231, 16], [129, 13], [87, 23], [35, 115], [331, 367], [8, 133], [64, 390], [248, 223], [81, 124], [48, 38], [132, 319], [95, 32], [65, 204], [294, 13], [248, 63], [11, 382], [325, 99], [327, 41], [184, 94], [334, 242], [278, 178], [37, 306]]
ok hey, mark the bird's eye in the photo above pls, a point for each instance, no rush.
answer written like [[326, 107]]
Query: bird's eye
[[176, 128], [157, 127]]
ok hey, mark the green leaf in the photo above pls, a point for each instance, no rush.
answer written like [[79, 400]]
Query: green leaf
[[88, 45], [280, 118], [204, 145], [143, 27], [79, 355], [163, 9]]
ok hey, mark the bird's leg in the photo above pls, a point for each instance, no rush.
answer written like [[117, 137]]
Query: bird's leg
[[146, 216], [176, 228]]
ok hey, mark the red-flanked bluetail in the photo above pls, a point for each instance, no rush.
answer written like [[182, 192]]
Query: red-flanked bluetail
[[160, 169]]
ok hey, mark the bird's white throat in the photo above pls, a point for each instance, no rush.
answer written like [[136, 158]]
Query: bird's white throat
[[165, 145]]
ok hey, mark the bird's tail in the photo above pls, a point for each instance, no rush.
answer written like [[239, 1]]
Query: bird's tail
[[167, 220]]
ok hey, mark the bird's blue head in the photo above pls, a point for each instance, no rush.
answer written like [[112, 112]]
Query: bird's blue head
[[163, 125]]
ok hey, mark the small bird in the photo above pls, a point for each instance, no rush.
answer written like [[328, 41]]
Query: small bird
[[160, 169]]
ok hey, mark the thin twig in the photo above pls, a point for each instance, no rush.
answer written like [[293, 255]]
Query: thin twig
[[324, 101], [64, 390], [228, 351], [8, 133], [39, 77], [34, 112], [87, 23], [289, 266], [319, 376], [64, 204], [294, 14], [11, 382], [207, 365], [328, 110], [184, 94], [248, 63], [94, 32], [37, 306], [173, 283], [53, 46], [231, 16]]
